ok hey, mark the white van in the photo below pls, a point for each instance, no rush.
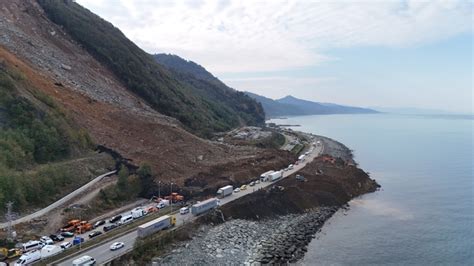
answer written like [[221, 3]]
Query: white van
[[126, 219], [28, 258], [184, 210], [32, 245], [50, 250], [84, 261]]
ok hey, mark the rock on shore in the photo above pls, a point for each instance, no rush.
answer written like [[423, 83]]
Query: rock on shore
[[279, 240]]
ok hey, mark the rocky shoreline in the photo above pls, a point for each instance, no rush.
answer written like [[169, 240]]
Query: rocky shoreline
[[279, 240]]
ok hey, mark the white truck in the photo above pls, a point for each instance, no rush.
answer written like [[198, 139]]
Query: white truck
[[28, 258], [275, 175], [265, 176], [50, 250], [84, 261], [204, 206], [156, 225], [225, 191], [137, 213]]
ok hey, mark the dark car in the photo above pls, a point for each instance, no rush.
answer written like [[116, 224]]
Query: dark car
[[56, 238], [109, 227], [95, 233], [98, 223], [67, 234], [115, 219]]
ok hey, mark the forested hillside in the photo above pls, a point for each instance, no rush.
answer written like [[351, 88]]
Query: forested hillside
[[35, 133], [214, 90], [163, 90]]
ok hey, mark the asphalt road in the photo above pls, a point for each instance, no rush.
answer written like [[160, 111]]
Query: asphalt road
[[103, 254], [57, 203]]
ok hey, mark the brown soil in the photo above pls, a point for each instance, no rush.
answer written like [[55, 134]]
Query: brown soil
[[335, 187]]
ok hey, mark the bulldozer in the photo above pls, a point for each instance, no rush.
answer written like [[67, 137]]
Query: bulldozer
[[6, 254]]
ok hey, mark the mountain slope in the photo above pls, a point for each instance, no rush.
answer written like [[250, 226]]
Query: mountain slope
[[290, 105], [142, 75], [213, 90]]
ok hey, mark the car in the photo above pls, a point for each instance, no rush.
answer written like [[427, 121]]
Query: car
[[110, 227], [257, 181], [46, 240], [98, 223], [66, 245], [117, 245], [252, 183], [67, 234], [115, 219], [184, 210], [243, 187], [237, 190], [95, 233], [57, 238]]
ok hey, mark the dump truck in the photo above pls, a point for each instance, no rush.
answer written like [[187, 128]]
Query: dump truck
[[162, 223], [83, 227], [225, 191], [174, 197], [275, 175], [71, 226], [204, 206]]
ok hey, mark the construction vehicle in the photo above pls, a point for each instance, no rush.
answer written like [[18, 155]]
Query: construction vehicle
[[83, 227], [6, 254], [70, 226], [175, 197]]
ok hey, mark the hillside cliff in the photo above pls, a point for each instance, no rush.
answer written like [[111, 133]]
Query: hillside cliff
[[200, 107]]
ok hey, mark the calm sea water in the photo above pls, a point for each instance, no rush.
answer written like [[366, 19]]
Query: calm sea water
[[424, 213]]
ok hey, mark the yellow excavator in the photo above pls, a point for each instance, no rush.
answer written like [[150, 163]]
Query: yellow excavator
[[9, 253]]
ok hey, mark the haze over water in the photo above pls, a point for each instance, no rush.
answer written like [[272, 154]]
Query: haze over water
[[424, 213]]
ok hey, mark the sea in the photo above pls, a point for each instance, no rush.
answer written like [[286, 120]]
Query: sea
[[423, 213]]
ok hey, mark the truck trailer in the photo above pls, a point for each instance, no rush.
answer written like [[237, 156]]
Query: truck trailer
[[225, 191], [156, 225], [204, 206], [275, 175], [266, 176]]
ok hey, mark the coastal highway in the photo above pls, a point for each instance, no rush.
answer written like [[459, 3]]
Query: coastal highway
[[103, 254]]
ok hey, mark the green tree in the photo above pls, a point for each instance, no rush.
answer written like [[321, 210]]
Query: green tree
[[146, 179], [122, 182]]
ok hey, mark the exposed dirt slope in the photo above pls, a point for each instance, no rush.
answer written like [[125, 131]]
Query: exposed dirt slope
[[98, 102], [335, 187]]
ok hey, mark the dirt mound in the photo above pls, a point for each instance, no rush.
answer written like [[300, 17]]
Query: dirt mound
[[335, 187]]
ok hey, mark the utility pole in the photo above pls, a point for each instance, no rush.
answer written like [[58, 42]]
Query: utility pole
[[171, 198], [159, 189], [9, 216]]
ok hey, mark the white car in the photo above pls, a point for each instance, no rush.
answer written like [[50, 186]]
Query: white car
[[66, 245], [236, 190], [117, 245], [184, 210]]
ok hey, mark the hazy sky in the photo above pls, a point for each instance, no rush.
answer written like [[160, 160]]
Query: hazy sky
[[365, 53]]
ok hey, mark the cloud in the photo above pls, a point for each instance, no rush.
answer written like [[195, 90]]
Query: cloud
[[248, 36]]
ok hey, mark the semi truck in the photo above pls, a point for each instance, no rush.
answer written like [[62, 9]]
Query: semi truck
[[275, 175], [50, 250], [265, 176], [156, 225], [225, 191], [204, 206]]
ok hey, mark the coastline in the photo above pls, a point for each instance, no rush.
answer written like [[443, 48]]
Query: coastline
[[275, 225]]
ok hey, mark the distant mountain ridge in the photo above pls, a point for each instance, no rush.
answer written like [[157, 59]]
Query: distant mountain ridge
[[290, 105]]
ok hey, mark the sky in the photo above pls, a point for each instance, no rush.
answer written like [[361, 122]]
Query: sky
[[363, 53]]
